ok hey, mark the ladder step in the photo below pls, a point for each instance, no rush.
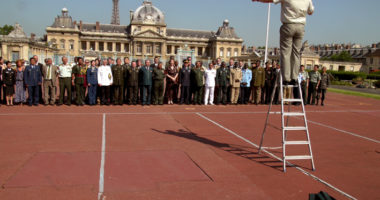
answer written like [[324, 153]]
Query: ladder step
[[293, 114], [296, 142], [290, 86], [293, 100], [298, 157], [295, 128]]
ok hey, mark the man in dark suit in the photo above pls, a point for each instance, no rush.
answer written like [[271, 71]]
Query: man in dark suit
[[146, 83], [185, 82], [40, 65], [33, 80]]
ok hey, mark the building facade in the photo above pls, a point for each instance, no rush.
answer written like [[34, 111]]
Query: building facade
[[16, 45], [145, 37]]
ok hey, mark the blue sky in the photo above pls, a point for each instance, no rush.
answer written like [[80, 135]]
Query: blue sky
[[334, 21]]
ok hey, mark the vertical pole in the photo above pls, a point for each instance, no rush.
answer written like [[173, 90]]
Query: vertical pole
[[267, 37]]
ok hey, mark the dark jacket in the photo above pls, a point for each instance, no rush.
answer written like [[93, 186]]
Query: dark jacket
[[9, 76], [158, 74], [223, 76], [92, 76], [133, 77], [146, 75], [197, 77], [118, 73], [32, 75], [184, 76]]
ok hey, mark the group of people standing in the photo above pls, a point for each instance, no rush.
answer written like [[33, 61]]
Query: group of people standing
[[107, 82]]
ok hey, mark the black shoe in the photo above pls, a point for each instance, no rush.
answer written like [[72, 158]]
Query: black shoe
[[286, 83]]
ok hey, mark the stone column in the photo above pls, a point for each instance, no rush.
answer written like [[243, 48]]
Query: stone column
[[113, 46], [88, 45], [96, 46]]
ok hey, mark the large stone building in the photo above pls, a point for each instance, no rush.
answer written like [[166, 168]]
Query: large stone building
[[16, 45], [145, 37]]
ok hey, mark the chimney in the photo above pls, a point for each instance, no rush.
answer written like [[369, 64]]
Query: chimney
[[373, 45], [32, 36], [80, 25], [97, 26], [75, 23]]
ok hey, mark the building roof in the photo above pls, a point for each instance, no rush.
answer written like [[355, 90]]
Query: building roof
[[374, 54], [189, 33], [63, 21], [18, 32], [106, 28], [226, 32], [148, 14]]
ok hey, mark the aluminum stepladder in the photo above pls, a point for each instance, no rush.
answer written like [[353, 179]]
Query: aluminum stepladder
[[284, 124]]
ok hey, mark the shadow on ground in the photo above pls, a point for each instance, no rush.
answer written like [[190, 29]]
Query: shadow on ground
[[241, 151]]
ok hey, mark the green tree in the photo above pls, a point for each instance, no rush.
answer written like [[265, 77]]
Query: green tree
[[6, 29]]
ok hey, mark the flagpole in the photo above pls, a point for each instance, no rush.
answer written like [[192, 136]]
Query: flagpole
[[267, 37]]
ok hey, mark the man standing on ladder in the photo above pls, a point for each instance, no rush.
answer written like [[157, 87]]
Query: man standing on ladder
[[293, 18]]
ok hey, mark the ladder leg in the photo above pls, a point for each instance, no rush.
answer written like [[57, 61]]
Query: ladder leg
[[269, 110]]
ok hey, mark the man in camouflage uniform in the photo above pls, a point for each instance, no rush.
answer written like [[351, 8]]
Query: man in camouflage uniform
[[222, 82], [133, 83], [197, 83], [258, 80], [315, 79], [158, 84]]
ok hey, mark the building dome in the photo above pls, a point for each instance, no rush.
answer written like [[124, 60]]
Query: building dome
[[148, 14], [65, 10]]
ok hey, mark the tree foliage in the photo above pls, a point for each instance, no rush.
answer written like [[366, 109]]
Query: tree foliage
[[6, 29]]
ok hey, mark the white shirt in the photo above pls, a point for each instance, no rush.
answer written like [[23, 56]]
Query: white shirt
[[295, 11], [210, 75], [65, 71], [105, 77]]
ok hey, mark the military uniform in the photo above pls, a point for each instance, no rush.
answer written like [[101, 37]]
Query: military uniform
[[222, 81], [133, 84], [235, 79], [80, 73], [197, 84], [126, 90], [324, 84], [315, 77], [158, 86], [146, 73], [258, 81], [118, 73], [9, 80]]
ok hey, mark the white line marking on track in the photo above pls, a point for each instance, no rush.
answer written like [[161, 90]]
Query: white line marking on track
[[103, 158], [343, 131], [276, 157], [179, 113]]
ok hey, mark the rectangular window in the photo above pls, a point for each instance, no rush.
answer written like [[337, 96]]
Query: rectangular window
[[84, 45], [371, 61], [92, 46], [200, 49], [352, 68], [118, 47], [228, 53], [221, 53], [139, 47], [158, 49], [176, 49], [148, 49], [331, 67], [169, 49], [15, 55], [62, 44], [158, 30], [101, 46], [109, 46]]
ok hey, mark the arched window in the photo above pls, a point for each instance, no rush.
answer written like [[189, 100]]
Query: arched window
[[229, 52], [71, 44], [236, 52]]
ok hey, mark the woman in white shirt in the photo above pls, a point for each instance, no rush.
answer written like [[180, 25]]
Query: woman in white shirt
[[210, 75], [105, 80]]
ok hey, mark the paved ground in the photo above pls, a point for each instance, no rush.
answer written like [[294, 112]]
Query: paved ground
[[185, 152]]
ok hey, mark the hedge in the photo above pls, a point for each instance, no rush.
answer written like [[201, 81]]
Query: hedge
[[338, 75], [373, 76]]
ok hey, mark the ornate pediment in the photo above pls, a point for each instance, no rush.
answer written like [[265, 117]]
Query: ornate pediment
[[149, 34]]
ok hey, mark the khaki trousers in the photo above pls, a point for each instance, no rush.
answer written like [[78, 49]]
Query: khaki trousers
[[49, 92], [235, 91], [291, 36]]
